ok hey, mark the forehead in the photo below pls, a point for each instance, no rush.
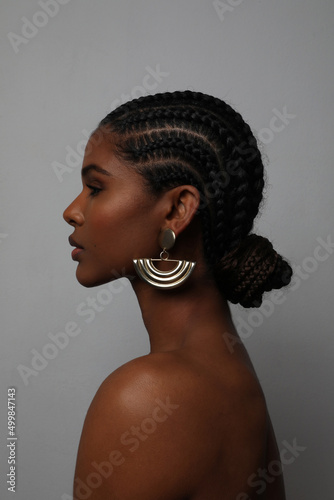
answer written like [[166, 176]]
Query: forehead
[[100, 160], [99, 144], [100, 151]]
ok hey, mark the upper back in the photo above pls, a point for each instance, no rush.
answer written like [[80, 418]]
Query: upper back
[[174, 425]]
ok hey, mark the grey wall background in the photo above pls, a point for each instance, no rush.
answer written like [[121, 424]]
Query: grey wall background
[[267, 59]]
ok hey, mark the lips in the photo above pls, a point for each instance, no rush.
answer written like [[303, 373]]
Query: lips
[[77, 250], [73, 243]]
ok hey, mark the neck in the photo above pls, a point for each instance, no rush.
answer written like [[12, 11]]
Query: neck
[[183, 317]]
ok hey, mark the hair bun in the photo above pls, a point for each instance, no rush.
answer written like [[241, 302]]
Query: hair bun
[[251, 269]]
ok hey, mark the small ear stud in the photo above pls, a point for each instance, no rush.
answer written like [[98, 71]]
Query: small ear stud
[[167, 239]]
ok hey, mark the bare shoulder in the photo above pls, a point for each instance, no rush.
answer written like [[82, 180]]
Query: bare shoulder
[[134, 391], [136, 385], [198, 390], [159, 424], [129, 446]]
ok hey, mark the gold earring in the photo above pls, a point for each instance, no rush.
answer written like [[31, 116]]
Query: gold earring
[[148, 272]]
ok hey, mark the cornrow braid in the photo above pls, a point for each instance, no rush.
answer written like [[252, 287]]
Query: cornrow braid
[[177, 138], [240, 209], [183, 168]]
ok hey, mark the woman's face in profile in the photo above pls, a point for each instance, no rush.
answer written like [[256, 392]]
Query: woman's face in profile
[[115, 218]]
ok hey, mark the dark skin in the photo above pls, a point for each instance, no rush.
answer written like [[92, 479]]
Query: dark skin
[[188, 421]]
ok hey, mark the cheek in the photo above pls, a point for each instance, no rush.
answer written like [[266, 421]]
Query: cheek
[[123, 223], [113, 223]]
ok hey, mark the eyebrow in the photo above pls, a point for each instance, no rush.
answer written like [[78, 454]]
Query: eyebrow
[[85, 171]]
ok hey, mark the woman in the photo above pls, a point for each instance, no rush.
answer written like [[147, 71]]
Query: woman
[[177, 175]]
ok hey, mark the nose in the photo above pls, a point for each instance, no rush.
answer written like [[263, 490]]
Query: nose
[[73, 214]]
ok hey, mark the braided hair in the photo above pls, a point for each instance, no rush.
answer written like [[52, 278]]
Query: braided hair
[[193, 138]]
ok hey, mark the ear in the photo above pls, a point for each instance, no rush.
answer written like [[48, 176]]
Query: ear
[[183, 202]]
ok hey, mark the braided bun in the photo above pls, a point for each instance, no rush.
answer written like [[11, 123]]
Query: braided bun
[[251, 269]]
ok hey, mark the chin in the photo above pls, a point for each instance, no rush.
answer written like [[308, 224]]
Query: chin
[[89, 281]]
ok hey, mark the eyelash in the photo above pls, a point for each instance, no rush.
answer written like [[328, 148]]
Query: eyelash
[[94, 190]]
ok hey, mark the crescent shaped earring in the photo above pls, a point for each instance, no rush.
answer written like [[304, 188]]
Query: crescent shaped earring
[[147, 270]]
